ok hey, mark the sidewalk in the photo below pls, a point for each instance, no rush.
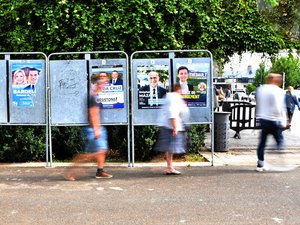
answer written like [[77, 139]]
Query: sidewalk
[[243, 151]]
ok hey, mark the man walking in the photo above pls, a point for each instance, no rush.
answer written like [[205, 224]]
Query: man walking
[[271, 112]]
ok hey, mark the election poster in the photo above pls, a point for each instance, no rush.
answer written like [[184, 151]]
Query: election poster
[[25, 77], [153, 84], [112, 96], [193, 80]]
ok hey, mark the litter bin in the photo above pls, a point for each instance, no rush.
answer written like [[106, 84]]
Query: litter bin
[[221, 131]]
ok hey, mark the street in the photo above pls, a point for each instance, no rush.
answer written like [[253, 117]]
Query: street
[[145, 195]]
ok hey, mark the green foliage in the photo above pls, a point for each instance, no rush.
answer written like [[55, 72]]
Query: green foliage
[[250, 88], [66, 141], [118, 141], [223, 27], [144, 140], [284, 17], [196, 137], [22, 144], [291, 67], [260, 75]]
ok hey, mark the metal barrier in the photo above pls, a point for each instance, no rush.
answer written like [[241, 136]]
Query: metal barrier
[[225, 106], [243, 117]]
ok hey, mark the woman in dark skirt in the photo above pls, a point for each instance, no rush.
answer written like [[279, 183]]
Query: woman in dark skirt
[[172, 136]]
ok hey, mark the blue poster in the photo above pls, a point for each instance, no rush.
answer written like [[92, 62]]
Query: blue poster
[[25, 77]]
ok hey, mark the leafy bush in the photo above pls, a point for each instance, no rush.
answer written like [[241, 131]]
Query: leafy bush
[[196, 137], [66, 141], [144, 140], [22, 144]]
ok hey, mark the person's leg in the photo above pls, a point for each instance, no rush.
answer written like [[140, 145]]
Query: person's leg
[[278, 136], [169, 157], [262, 143], [79, 158], [171, 170], [100, 157]]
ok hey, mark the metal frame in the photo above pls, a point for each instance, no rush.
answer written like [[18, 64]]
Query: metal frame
[[87, 56], [171, 54], [7, 58]]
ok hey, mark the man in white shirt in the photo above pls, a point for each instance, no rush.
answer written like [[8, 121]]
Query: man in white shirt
[[271, 112]]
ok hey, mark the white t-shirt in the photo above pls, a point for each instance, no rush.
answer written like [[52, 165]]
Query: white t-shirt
[[184, 88], [174, 108], [270, 103]]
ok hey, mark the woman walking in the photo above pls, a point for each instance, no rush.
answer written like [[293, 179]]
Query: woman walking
[[172, 136]]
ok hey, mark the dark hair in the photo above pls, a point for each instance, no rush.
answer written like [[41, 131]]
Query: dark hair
[[176, 87], [182, 68]]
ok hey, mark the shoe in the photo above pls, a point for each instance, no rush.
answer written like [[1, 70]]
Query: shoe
[[262, 168], [103, 175], [173, 172], [69, 177]]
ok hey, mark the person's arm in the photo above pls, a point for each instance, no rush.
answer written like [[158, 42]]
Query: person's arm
[[174, 125], [297, 103], [94, 114]]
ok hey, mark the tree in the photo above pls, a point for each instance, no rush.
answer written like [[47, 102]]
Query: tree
[[260, 75], [284, 15], [221, 26], [290, 66]]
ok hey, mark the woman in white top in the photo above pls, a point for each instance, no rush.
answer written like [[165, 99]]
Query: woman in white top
[[172, 137]]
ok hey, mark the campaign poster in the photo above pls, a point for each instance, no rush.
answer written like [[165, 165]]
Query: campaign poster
[[153, 84], [25, 78], [112, 96], [193, 80]]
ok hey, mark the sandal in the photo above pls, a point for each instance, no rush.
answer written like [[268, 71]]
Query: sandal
[[70, 178], [173, 172]]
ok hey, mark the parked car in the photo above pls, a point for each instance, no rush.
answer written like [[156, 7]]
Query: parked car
[[239, 95], [252, 97]]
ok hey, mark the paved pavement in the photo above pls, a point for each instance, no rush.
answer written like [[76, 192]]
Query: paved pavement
[[230, 192], [243, 151]]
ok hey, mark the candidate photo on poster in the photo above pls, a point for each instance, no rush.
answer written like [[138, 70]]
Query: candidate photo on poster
[[193, 81], [112, 96], [153, 82], [25, 77]]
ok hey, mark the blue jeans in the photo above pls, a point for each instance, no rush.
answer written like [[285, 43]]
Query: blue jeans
[[269, 127]]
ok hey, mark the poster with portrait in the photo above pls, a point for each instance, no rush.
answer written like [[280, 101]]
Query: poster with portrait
[[25, 77], [193, 80], [153, 84], [112, 96]]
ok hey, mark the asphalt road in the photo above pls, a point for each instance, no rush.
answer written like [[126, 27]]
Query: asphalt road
[[201, 195]]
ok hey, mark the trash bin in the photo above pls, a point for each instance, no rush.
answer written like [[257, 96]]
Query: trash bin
[[221, 131]]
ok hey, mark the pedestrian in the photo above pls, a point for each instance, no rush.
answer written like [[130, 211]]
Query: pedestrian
[[291, 101], [172, 135], [96, 135], [271, 112]]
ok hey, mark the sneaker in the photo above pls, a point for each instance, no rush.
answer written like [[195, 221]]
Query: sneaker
[[103, 175], [262, 168]]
